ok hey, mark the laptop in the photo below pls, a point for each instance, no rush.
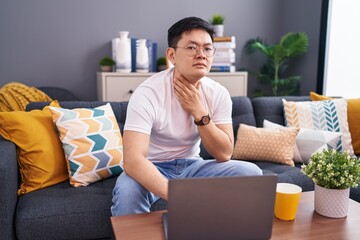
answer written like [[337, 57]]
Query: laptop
[[220, 208]]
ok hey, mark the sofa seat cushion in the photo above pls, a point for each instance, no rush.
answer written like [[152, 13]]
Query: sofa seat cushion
[[65, 212], [287, 174], [355, 193]]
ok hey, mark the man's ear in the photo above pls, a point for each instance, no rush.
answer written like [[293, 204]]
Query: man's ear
[[170, 56]]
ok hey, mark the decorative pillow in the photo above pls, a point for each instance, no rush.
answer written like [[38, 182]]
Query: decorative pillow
[[40, 155], [328, 115], [92, 143], [353, 114], [309, 141], [274, 145]]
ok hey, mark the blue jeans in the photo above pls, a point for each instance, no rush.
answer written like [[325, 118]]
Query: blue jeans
[[130, 197]]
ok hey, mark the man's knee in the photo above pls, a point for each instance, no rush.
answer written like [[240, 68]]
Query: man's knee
[[243, 168], [127, 193]]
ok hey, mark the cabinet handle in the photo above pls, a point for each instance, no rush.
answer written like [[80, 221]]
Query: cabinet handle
[[131, 91]]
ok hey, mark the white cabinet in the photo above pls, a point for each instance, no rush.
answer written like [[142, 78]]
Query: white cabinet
[[116, 86]]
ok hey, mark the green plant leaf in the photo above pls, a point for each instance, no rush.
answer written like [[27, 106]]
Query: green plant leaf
[[217, 19], [295, 44], [257, 44], [106, 61]]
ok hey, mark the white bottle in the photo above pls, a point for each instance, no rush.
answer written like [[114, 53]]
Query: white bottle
[[123, 53], [142, 56]]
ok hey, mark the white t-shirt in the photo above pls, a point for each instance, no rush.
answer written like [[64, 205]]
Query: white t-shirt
[[155, 110]]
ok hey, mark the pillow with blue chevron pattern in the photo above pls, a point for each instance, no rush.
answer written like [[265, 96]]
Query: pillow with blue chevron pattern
[[92, 143], [327, 115]]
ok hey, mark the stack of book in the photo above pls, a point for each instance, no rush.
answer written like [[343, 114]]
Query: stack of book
[[224, 57], [152, 47]]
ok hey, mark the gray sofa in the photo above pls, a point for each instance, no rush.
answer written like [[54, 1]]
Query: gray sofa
[[64, 212]]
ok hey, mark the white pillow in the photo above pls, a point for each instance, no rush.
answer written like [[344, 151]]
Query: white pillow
[[309, 141]]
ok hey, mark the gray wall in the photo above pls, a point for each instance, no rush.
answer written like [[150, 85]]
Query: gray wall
[[59, 43]]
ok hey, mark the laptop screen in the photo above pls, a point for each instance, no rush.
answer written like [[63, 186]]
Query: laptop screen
[[221, 208]]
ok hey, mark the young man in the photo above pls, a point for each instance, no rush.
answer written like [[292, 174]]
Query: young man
[[167, 117]]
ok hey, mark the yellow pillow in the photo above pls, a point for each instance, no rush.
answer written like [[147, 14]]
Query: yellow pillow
[[40, 154], [353, 113], [262, 144]]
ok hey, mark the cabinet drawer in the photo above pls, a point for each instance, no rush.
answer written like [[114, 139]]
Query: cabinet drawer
[[120, 89]]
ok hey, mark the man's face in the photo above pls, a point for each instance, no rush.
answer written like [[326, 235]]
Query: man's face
[[191, 55]]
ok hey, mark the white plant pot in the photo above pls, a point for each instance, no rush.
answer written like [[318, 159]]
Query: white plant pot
[[219, 30], [332, 203]]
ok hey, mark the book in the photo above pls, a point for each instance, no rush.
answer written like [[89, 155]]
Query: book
[[229, 59], [225, 39], [224, 52], [222, 68], [221, 64], [224, 45], [133, 54], [224, 55], [152, 46]]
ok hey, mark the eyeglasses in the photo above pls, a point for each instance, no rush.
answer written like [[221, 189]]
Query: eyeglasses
[[193, 50]]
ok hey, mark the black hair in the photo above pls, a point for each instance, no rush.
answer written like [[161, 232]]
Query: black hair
[[185, 25]]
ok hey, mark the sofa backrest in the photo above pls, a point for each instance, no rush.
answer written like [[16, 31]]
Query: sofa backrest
[[271, 108], [250, 112], [242, 112]]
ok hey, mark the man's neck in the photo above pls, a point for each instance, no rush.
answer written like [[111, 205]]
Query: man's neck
[[192, 79]]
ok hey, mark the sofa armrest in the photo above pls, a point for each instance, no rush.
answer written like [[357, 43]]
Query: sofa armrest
[[9, 182]]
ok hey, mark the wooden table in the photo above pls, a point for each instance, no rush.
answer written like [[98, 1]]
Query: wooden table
[[307, 224]]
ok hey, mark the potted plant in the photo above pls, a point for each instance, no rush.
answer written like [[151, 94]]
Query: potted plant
[[333, 173], [161, 64], [106, 64], [290, 45], [217, 21]]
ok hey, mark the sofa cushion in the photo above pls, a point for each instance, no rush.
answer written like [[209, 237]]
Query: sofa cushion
[[309, 141], [276, 145], [92, 142], [40, 155], [329, 115], [353, 113]]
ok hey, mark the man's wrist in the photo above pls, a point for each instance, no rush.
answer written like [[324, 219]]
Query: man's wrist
[[203, 121]]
